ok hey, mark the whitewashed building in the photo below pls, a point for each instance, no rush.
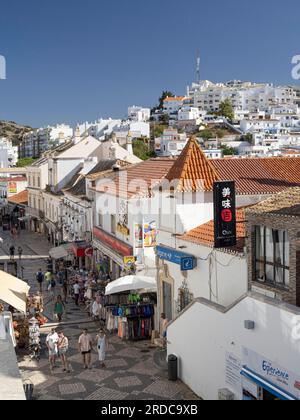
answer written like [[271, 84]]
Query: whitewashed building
[[171, 143], [139, 114]]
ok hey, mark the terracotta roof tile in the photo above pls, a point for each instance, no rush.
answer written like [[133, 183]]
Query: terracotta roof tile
[[286, 203], [260, 175], [137, 180], [21, 198], [193, 170], [204, 234]]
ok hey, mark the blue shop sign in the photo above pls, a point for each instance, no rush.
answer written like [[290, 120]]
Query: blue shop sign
[[187, 262]]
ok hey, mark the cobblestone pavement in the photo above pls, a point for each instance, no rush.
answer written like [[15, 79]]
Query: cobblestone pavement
[[35, 251], [131, 372]]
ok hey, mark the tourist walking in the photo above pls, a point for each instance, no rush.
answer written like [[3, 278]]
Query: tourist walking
[[85, 346], [51, 284], [12, 250], [51, 342], [76, 289], [102, 346], [63, 347], [63, 284], [40, 279], [59, 308], [20, 252]]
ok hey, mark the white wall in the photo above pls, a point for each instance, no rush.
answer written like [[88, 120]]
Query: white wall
[[215, 277], [202, 335]]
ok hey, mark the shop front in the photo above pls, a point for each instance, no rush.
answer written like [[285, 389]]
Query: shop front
[[83, 253], [263, 379], [130, 304], [110, 254]]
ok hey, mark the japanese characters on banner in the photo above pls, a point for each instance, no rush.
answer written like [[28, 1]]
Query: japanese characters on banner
[[225, 214]]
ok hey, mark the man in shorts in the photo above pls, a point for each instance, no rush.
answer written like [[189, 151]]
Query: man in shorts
[[52, 341], [85, 348]]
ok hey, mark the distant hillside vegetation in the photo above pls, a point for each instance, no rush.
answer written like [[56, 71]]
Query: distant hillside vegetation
[[13, 131]]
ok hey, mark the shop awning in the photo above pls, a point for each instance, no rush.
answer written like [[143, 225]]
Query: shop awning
[[82, 249], [13, 291], [128, 283], [260, 381], [60, 252]]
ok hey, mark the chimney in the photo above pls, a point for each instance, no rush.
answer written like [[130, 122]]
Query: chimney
[[129, 143], [77, 137], [113, 153]]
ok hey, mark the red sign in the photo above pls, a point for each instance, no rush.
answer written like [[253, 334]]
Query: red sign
[[89, 252], [226, 216], [113, 242], [81, 250]]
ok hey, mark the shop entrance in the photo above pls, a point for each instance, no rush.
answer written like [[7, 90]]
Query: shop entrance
[[167, 300]]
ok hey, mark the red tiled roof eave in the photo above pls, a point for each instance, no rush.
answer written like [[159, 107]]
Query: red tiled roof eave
[[204, 234]]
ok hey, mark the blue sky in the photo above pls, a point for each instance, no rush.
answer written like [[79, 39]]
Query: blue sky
[[72, 60]]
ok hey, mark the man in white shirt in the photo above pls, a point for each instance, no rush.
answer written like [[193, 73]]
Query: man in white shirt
[[76, 289], [51, 341], [96, 308]]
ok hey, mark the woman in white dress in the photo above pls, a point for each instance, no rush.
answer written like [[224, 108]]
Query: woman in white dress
[[102, 346]]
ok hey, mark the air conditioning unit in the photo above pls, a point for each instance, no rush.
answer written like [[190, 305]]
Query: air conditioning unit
[[225, 395]]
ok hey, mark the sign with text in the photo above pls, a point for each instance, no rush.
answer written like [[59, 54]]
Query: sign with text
[[187, 262], [272, 372], [225, 214]]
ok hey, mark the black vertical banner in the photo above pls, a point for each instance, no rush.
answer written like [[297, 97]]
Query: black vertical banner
[[225, 214]]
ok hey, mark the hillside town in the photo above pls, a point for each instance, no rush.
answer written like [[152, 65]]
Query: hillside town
[[173, 234]]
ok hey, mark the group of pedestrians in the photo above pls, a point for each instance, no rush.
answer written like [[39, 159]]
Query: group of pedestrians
[[53, 282], [58, 347], [12, 252]]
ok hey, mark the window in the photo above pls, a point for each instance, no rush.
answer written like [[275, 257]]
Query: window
[[100, 220], [272, 256], [113, 224]]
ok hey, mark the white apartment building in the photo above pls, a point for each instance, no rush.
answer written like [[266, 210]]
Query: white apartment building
[[187, 113], [37, 176], [247, 97], [8, 153], [99, 129], [213, 153], [171, 106], [139, 114], [135, 129], [171, 143], [261, 125], [36, 142]]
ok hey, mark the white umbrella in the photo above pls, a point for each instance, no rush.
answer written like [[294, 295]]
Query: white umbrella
[[125, 284]]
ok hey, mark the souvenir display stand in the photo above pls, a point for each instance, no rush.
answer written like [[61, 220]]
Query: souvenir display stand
[[131, 315]]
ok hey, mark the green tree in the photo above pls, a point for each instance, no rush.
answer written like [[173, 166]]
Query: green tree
[[141, 150], [248, 137], [228, 151], [164, 119], [220, 133], [22, 163], [206, 134], [158, 129], [226, 110]]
